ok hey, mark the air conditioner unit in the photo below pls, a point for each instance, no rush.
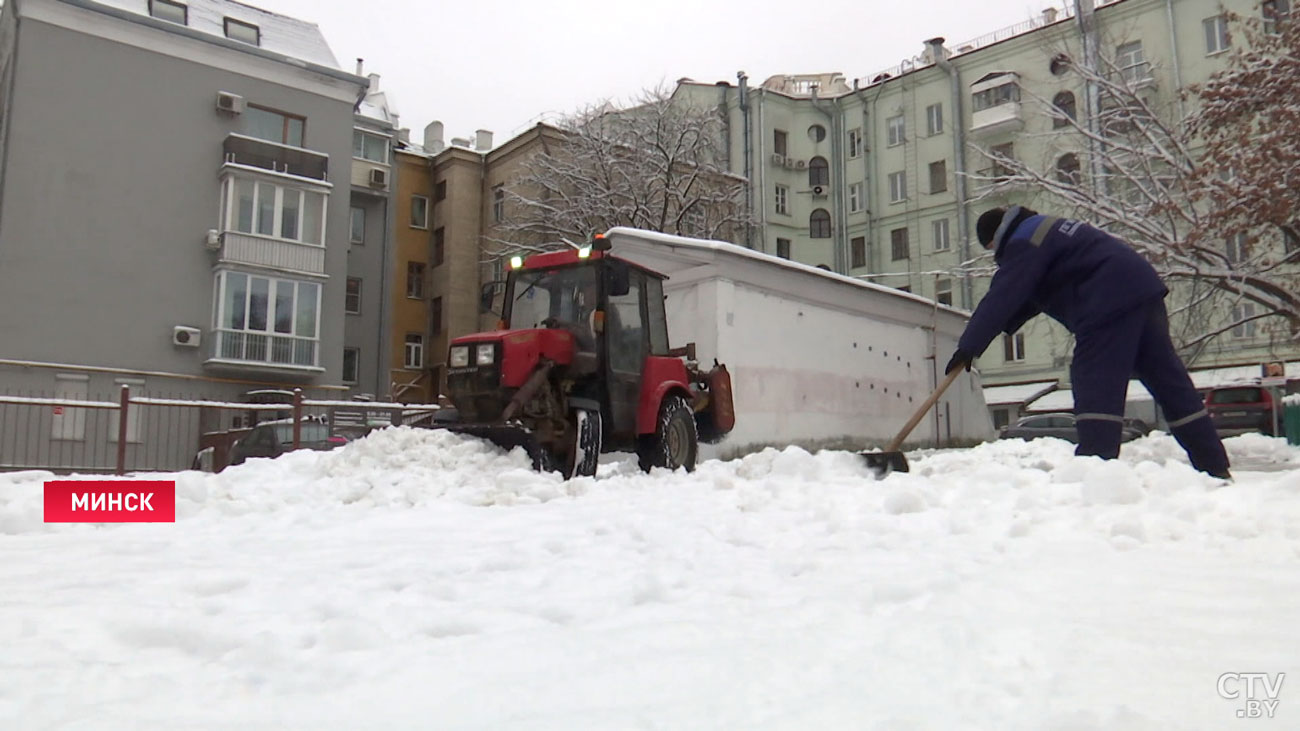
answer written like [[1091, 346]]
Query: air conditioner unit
[[801, 164], [229, 103], [212, 241], [378, 178], [778, 159], [186, 336], [789, 162], [819, 191]]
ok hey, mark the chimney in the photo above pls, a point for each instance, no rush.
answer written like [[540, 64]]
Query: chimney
[[482, 140], [404, 135], [460, 142], [374, 82], [934, 50], [1049, 16], [433, 137], [360, 62]]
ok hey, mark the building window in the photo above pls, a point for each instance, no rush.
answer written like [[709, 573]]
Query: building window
[[939, 176], [898, 187], [167, 10], [858, 251], [1064, 109], [1275, 12], [896, 130], [435, 315], [934, 119], [1132, 62], [816, 133], [855, 197], [414, 354], [440, 191], [352, 297], [1216, 34], [351, 364], [778, 141], [1067, 169], [415, 279], [1245, 329], [1001, 156], [272, 126], [419, 211], [819, 171], [1013, 348], [997, 96], [783, 200], [267, 320], [358, 227], [277, 211], [498, 203], [366, 146], [1236, 249], [819, 224], [855, 143], [783, 248], [943, 291], [939, 229], [238, 30], [898, 248], [439, 246]]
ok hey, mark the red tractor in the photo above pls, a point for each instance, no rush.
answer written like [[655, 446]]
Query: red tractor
[[580, 365]]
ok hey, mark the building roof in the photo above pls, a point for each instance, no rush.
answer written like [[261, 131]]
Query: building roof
[[1018, 393], [277, 33], [1063, 400]]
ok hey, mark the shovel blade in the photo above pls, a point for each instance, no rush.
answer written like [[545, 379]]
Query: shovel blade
[[882, 463]]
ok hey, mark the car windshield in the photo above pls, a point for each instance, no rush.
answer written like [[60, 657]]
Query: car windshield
[[563, 294], [313, 432], [1246, 395]]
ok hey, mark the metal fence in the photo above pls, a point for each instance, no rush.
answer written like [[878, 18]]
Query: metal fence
[[126, 432]]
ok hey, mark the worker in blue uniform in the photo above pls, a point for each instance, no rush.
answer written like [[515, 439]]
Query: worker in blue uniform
[[1112, 299]]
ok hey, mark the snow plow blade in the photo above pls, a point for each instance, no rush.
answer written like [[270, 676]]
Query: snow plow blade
[[505, 436], [882, 463]]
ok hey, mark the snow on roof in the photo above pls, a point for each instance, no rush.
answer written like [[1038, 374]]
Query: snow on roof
[[1212, 377], [1063, 399], [1018, 393], [736, 250], [277, 33]]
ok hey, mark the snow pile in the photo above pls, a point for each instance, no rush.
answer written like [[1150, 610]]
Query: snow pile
[[421, 579]]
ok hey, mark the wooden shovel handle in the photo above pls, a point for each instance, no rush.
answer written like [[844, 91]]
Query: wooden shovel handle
[[920, 412]]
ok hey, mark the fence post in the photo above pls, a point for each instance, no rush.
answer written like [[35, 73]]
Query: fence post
[[124, 405], [297, 418]]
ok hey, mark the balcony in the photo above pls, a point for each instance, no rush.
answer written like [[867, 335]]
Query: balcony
[[287, 159], [264, 251], [264, 351], [1005, 117]]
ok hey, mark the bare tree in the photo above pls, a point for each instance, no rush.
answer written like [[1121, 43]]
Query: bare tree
[[1137, 170], [659, 164]]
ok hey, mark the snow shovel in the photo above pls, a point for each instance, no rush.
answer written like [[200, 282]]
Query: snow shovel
[[892, 460]]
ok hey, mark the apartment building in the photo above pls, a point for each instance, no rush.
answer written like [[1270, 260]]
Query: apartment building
[[174, 202], [882, 176]]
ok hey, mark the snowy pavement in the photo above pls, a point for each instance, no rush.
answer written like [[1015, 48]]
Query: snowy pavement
[[418, 579]]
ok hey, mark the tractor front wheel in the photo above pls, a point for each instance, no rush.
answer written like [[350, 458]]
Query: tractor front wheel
[[675, 441], [585, 450]]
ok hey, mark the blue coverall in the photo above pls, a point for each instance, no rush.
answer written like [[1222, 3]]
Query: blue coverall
[[1101, 290]]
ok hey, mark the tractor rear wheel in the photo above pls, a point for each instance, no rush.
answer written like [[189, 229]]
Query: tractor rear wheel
[[675, 442], [584, 453]]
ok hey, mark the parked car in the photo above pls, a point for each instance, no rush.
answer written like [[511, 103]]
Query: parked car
[[273, 439], [1061, 426], [1240, 409]]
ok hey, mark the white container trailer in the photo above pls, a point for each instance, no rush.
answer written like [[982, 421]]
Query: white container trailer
[[817, 359]]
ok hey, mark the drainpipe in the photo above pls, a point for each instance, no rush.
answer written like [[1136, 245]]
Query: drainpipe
[[940, 55], [869, 188], [762, 176], [836, 181], [742, 82], [1173, 45], [1087, 20]]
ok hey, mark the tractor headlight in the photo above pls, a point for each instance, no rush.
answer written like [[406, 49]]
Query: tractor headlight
[[485, 354], [460, 356]]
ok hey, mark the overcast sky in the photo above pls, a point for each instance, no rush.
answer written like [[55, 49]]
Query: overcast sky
[[499, 65]]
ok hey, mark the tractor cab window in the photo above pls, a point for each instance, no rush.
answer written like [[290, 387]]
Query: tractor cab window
[[564, 295], [625, 328]]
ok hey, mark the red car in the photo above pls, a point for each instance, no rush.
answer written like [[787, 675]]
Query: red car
[[1240, 409]]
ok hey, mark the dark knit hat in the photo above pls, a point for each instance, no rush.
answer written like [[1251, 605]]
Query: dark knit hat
[[987, 225]]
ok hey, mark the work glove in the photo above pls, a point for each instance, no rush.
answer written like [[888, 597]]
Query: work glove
[[960, 359]]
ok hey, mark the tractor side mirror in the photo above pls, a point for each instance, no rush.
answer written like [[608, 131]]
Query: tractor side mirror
[[487, 294], [617, 279]]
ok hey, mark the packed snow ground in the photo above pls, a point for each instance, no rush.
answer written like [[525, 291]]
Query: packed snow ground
[[418, 579]]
